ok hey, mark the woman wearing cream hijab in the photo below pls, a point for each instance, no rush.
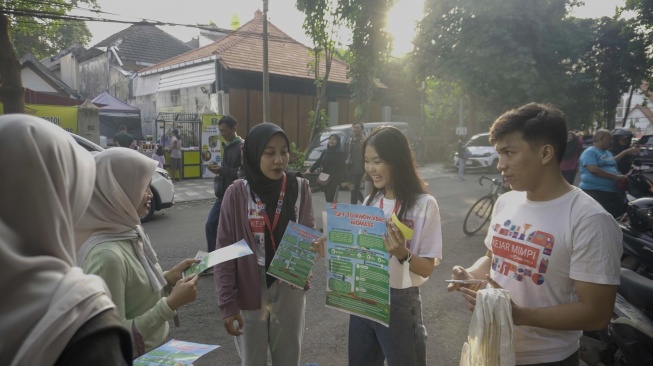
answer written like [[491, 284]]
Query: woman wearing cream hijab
[[51, 313], [118, 250]]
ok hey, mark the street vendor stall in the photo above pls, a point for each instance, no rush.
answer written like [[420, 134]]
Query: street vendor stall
[[200, 140], [189, 126]]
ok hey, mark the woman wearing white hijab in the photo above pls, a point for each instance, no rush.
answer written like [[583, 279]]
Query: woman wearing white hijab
[[51, 313], [119, 251]]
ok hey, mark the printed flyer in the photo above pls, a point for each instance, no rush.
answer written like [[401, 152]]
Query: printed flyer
[[174, 353], [358, 278], [208, 260], [293, 261], [211, 152]]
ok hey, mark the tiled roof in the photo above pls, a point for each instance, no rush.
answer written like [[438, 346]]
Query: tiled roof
[[242, 50], [140, 43]]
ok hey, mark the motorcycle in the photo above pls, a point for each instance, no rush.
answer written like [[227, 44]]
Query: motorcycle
[[628, 339], [638, 237]]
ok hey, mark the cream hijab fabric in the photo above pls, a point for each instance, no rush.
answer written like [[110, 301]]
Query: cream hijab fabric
[[46, 185], [123, 175]]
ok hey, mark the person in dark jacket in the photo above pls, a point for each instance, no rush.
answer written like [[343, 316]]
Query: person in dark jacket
[[621, 140], [332, 162], [226, 173], [355, 163]]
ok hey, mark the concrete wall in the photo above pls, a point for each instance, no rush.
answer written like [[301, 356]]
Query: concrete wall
[[69, 71], [147, 105], [118, 84], [94, 76]]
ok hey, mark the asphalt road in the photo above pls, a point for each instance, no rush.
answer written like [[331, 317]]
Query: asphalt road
[[178, 233]]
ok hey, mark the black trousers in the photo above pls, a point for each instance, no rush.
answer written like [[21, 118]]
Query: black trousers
[[356, 194], [611, 201]]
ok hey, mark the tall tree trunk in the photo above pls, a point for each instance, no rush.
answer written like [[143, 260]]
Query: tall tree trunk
[[11, 84], [627, 110]]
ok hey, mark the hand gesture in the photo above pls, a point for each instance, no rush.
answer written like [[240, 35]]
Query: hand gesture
[[319, 247], [229, 325], [184, 292], [177, 272], [214, 168], [394, 241]]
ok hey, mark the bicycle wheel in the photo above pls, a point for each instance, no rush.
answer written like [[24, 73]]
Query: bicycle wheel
[[478, 215]]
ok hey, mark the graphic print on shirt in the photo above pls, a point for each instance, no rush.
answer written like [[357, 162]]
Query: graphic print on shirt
[[257, 225], [521, 252]]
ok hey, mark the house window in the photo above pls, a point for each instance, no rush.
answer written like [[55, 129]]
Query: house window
[[175, 97]]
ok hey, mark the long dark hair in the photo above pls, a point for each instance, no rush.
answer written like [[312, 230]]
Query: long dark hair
[[393, 148]]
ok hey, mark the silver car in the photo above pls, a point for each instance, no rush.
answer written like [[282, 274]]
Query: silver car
[[161, 185]]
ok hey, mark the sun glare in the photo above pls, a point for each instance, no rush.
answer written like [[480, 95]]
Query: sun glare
[[402, 19]]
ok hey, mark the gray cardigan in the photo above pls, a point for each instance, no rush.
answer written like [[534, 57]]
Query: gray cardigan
[[237, 281]]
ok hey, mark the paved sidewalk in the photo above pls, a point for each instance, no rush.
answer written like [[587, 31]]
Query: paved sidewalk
[[202, 188]]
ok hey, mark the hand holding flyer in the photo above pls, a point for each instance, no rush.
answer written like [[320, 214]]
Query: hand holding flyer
[[207, 260], [405, 230]]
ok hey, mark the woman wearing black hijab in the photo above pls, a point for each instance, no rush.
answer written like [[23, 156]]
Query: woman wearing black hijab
[[261, 311], [333, 162]]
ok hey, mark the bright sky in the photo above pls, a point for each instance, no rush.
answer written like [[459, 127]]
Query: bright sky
[[282, 13]]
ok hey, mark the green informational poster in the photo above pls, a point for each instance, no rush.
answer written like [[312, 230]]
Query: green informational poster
[[358, 278], [174, 353], [293, 261]]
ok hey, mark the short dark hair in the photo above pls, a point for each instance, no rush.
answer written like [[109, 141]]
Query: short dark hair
[[539, 123], [229, 120], [122, 128], [358, 123]]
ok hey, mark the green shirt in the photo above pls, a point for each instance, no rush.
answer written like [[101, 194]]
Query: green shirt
[[123, 139], [136, 304]]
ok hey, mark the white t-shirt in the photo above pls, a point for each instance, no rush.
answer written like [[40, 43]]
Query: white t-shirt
[[424, 218], [539, 249]]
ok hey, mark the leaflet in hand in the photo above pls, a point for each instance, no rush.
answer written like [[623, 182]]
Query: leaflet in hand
[[293, 261], [208, 260], [358, 278], [173, 353]]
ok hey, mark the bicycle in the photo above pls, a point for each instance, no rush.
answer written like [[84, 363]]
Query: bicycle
[[480, 212]]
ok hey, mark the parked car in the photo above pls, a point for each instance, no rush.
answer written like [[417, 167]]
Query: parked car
[[319, 142], [161, 185], [645, 146], [482, 155]]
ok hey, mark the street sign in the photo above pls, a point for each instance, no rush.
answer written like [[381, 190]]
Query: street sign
[[461, 131]]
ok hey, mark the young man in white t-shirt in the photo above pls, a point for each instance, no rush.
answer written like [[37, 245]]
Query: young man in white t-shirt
[[550, 244]]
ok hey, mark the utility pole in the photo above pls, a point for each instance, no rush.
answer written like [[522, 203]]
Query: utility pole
[[266, 76]]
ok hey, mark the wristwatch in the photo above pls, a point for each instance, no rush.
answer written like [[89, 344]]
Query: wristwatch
[[407, 259]]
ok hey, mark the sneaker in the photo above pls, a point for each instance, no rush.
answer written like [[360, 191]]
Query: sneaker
[[207, 272]]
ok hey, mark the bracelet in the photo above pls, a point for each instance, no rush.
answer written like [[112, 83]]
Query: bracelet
[[407, 259]]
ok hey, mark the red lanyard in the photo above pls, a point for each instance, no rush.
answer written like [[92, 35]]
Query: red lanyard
[[277, 212], [397, 205]]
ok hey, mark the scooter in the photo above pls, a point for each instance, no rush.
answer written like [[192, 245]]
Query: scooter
[[638, 237], [628, 339]]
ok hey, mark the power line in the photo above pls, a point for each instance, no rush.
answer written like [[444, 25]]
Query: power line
[[32, 13]]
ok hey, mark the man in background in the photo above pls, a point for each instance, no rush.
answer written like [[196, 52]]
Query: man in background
[[599, 174], [355, 163], [123, 139], [225, 173]]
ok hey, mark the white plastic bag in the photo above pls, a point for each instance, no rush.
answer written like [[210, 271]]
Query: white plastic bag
[[489, 339]]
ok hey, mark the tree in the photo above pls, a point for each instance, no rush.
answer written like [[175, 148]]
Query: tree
[[68, 33], [369, 48], [40, 24], [322, 24]]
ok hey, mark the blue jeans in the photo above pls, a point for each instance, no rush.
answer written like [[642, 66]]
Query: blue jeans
[[211, 228], [461, 167], [402, 343]]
